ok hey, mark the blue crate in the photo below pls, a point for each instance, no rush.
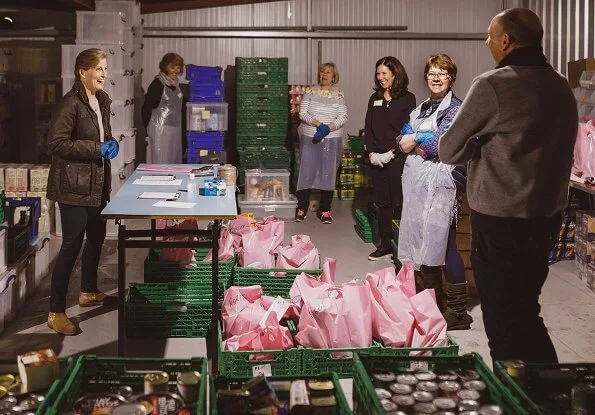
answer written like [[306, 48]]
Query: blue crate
[[208, 140], [206, 91], [203, 73]]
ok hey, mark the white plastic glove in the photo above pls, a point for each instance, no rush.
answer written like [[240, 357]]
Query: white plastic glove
[[386, 157], [375, 159]]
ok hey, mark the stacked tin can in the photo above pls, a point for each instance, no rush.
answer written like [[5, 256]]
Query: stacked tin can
[[262, 113], [206, 114]]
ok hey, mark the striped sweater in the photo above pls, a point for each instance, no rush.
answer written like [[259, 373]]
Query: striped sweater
[[325, 106]]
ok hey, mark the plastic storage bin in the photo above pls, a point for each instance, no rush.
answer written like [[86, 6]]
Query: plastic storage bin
[[282, 209], [204, 141], [127, 141], [42, 258], [587, 79], [3, 248], [7, 310], [267, 184], [101, 27], [122, 115], [207, 116], [206, 91], [130, 10], [203, 73], [118, 57]]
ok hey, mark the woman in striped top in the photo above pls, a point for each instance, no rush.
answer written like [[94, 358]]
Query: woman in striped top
[[323, 112]]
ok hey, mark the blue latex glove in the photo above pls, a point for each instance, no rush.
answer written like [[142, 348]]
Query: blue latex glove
[[114, 148], [406, 129], [321, 131], [424, 136], [105, 148]]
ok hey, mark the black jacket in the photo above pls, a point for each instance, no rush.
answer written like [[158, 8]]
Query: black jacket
[[78, 173], [384, 123]]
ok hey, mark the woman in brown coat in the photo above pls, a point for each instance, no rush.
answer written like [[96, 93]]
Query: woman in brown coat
[[80, 144]]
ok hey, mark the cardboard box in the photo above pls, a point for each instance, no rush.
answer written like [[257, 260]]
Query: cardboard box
[[38, 178], [16, 178], [576, 68], [38, 369]]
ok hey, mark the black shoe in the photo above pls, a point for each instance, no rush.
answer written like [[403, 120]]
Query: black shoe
[[300, 215], [380, 253]]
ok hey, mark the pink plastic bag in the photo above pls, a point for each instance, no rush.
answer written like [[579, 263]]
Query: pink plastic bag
[[272, 227], [272, 336], [584, 150], [226, 251], [178, 254], [301, 254], [406, 277], [257, 251], [238, 227], [430, 326], [392, 314], [242, 309]]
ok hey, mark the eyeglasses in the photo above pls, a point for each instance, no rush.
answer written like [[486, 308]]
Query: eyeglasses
[[440, 75]]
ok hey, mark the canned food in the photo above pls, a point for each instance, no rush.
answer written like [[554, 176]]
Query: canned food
[[232, 401], [422, 396], [383, 379], [424, 408], [324, 405], [29, 404], [467, 375], [6, 379], [188, 383], [130, 409], [97, 404], [516, 369], [476, 385], [468, 394], [427, 386], [425, 376], [382, 393], [444, 403], [468, 405], [490, 410], [388, 406], [8, 402], [449, 388], [407, 379], [261, 393], [404, 402], [469, 413], [156, 382], [321, 387], [161, 403], [448, 375], [401, 389], [125, 391]]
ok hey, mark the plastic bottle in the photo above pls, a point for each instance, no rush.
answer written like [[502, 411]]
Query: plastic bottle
[[191, 187]]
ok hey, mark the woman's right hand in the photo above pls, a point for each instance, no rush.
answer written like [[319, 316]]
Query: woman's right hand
[[408, 143]]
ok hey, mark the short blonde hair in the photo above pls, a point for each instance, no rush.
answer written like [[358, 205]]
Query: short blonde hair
[[87, 59], [333, 67], [444, 62]]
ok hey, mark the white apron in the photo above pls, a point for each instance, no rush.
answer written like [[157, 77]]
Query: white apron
[[165, 129], [429, 194]]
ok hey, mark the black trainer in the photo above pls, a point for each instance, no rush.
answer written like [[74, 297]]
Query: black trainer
[[300, 215], [380, 253]]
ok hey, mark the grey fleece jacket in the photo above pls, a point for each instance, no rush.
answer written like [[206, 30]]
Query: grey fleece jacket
[[516, 128]]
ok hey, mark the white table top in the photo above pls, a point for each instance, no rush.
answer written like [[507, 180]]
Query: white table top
[[126, 205]]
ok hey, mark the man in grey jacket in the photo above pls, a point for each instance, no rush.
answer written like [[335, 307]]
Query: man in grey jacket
[[516, 129]]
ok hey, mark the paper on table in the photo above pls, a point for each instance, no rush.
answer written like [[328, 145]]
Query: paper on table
[[181, 205], [156, 177], [166, 168], [158, 195], [158, 182]]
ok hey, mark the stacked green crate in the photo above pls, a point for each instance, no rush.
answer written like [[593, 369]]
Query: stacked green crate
[[262, 113]]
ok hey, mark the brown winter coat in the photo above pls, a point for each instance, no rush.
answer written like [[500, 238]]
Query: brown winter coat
[[78, 174]]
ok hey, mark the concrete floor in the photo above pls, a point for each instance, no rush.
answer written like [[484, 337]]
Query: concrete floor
[[568, 306]]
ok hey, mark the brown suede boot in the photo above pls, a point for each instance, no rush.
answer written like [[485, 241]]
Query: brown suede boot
[[61, 324], [432, 278], [456, 315], [91, 299]]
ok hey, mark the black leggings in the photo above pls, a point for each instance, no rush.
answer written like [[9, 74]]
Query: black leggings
[[454, 268], [326, 197]]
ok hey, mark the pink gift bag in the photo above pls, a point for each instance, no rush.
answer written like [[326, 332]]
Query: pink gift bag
[[301, 254], [226, 251]]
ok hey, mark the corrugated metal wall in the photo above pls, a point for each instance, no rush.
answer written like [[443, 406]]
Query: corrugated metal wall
[[569, 27], [355, 58]]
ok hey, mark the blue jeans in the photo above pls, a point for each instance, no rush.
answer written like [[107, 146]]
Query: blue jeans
[[510, 264]]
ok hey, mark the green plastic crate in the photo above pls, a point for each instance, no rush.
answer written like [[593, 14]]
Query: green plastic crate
[[261, 101], [66, 365], [169, 313], [266, 140], [365, 398], [17, 242], [322, 360], [261, 64], [92, 374], [264, 90], [264, 157], [219, 382], [357, 144], [540, 375], [270, 76], [241, 364], [250, 114], [271, 285], [365, 235], [261, 127], [199, 273]]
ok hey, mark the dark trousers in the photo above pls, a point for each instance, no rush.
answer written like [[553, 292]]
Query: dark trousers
[[326, 198], [510, 263], [76, 220], [388, 192]]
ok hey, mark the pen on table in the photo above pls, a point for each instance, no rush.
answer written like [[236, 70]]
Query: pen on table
[[182, 190]]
